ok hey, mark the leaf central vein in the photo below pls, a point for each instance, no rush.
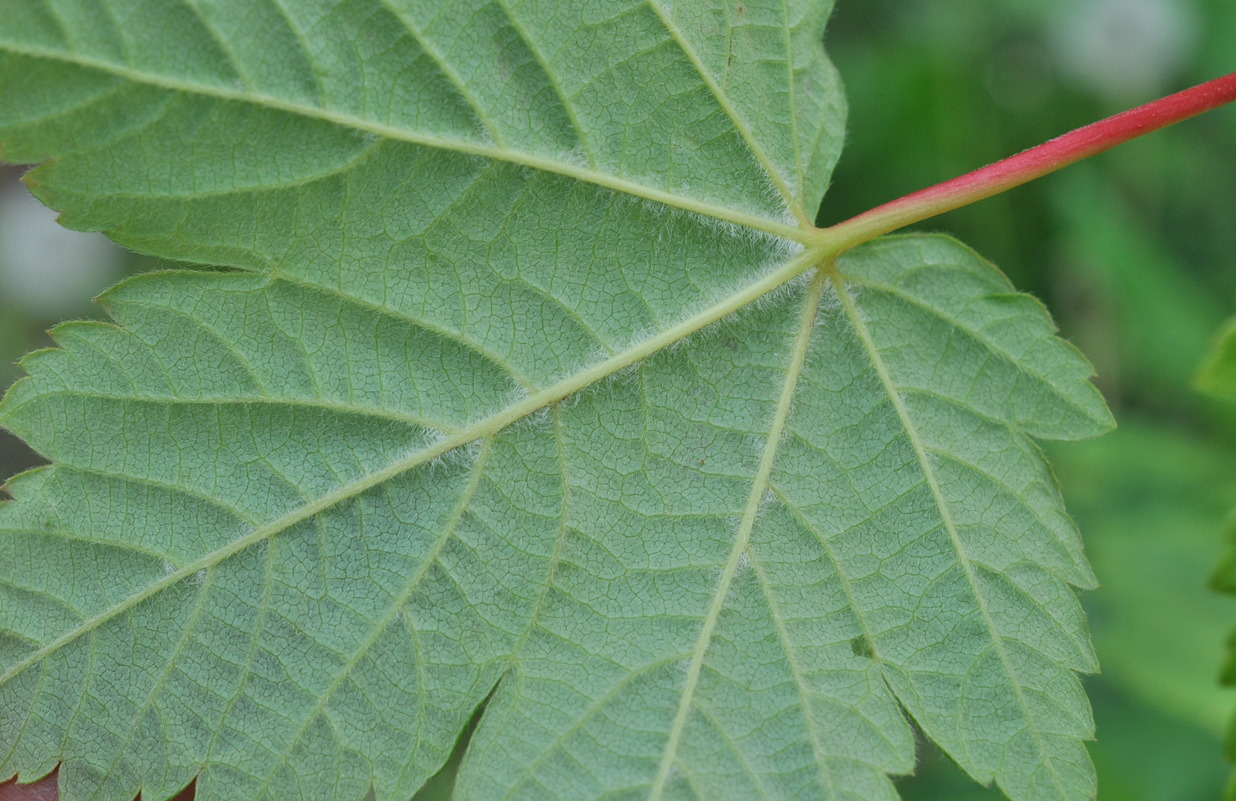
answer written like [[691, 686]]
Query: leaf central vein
[[803, 232], [742, 539], [485, 427], [950, 526]]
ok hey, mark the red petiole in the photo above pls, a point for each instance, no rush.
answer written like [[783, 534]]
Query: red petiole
[[1030, 164]]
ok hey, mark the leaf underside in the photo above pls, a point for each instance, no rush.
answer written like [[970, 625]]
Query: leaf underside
[[517, 385]]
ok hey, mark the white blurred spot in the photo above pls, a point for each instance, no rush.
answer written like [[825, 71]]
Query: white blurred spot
[[1125, 49], [46, 269]]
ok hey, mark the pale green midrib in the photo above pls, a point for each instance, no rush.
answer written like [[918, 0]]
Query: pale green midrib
[[759, 485], [799, 167], [396, 607], [801, 233], [482, 428], [946, 518], [744, 130]]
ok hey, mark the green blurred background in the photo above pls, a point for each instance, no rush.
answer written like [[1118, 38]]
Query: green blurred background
[[1134, 251]]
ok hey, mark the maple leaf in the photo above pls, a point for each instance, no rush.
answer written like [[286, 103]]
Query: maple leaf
[[529, 385]]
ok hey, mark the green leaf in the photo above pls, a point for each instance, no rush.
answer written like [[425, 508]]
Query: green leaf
[[529, 387], [1217, 376]]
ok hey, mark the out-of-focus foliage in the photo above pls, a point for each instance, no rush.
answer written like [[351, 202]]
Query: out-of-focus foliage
[[1133, 253], [1218, 377]]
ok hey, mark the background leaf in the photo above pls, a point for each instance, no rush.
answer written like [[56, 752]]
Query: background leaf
[[1217, 377]]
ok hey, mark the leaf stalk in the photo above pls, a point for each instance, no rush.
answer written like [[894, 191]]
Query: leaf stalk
[[1027, 165]]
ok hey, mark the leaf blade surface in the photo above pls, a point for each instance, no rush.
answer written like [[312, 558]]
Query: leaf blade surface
[[515, 386]]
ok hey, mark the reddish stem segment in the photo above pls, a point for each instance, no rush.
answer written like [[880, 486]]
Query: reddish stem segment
[[1035, 162]]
